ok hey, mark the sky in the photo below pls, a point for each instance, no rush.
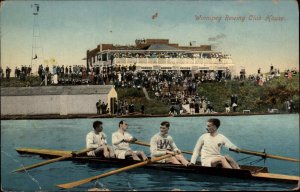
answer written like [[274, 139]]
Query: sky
[[257, 33]]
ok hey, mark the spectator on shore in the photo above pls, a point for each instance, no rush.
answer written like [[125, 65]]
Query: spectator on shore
[[201, 109], [131, 108], [16, 72], [196, 107], [204, 105], [172, 110], [227, 108], [7, 72], [192, 107], [234, 107], [142, 109], [98, 107], [104, 108], [292, 106], [210, 108], [1, 73]]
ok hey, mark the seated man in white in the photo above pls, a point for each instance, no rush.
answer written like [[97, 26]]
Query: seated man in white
[[121, 140], [209, 146], [96, 139]]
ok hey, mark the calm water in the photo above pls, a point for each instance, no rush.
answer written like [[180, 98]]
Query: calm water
[[278, 134]]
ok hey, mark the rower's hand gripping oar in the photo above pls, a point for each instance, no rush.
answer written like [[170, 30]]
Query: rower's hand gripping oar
[[80, 182], [147, 145], [264, 155], [52, 160]]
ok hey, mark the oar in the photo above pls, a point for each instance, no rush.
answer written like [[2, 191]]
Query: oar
[[264, 155], [146, 144], [80, 182], [52, 160]]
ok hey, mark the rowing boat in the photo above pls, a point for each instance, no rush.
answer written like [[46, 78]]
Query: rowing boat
[[246, 172]]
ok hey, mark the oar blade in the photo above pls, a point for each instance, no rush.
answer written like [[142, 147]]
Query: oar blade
[[76, 183]]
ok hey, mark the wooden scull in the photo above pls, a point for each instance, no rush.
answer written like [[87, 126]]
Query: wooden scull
[[246, 172]]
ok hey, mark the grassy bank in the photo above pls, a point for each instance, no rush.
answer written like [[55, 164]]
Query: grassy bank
[[137, 97], [251, 96]]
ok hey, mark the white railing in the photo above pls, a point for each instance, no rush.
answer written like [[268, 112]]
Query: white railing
[[191, 61]]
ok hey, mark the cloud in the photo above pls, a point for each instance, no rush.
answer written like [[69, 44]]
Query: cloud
[[218, 37]]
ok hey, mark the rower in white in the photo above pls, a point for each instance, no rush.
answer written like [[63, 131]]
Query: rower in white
[[121, 140], [97, 139], [209, 146], [162, 144]]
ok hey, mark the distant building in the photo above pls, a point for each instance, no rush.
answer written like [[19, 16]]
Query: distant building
[[62, 100], [159, 54]]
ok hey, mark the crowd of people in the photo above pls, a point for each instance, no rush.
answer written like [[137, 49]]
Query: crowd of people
[[169, 55], [178, 89], [101, 107], [120, 107], [127, 76]]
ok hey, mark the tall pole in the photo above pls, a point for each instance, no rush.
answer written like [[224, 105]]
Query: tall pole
[[37, 52]]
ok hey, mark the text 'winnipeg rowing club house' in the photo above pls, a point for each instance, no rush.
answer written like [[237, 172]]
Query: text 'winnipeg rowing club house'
[[159, 54]]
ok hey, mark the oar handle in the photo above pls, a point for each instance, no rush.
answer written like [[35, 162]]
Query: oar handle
[[82, 151], [52, 160], [264, 155], [148, 145], [80, 182]]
